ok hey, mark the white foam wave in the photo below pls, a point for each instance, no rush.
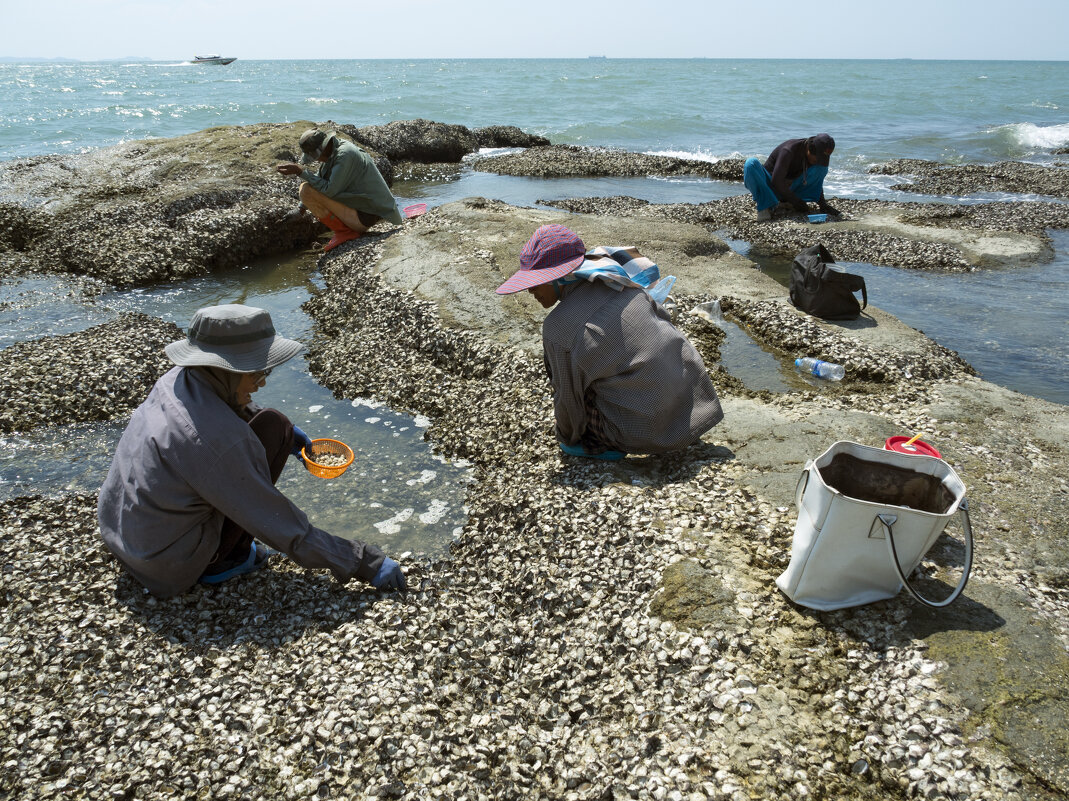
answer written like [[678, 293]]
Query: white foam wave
[[1030, 135], [698, 155], [393, 524], [321, 100], [424, 477], [435, 513], [315, 408], [492, 151]]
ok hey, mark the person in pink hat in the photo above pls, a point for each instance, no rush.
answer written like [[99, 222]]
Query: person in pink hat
[[625, 380]]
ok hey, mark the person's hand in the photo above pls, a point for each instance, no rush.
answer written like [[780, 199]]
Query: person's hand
[[827, 208], [389, 576], [800, 206], [289, 169], [300, 440]]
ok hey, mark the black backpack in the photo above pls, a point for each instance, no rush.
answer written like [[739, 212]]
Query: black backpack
[[825, 291]]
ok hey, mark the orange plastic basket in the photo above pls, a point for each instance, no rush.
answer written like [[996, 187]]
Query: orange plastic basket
[[323, 448]]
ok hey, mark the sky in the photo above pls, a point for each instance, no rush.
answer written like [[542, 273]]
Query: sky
[[356, 29]]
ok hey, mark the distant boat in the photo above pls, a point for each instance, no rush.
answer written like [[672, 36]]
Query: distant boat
[[212, 60], [597, 56]]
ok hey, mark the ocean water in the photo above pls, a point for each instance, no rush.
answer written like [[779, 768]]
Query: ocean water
[[958, 111], [950, 111]]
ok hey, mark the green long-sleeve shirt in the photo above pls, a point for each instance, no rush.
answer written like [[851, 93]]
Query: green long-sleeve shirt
[[350, 177]]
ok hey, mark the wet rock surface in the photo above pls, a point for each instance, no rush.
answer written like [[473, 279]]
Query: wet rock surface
[[557, 161], [102, 373], [934, 178], [156, 210], [601, 630], [927, 236], [507, 136], [428, 142], [416, 140]]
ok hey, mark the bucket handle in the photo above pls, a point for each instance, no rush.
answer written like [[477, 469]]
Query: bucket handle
[[803, 482], [888, 523]]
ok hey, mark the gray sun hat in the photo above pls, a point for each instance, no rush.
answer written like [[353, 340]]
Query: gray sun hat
[[238, 338], [312, 142]]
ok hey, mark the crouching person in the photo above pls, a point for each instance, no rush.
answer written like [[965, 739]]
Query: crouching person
[[625, 380], [191, 488]]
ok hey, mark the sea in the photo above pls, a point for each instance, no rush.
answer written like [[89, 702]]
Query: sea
[[1012, 324], [957, 112]]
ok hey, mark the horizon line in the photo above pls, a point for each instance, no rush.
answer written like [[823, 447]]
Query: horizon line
[[593, 57]]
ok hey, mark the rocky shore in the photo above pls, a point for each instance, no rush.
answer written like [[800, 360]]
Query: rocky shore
[[929, 177], [600, 631]]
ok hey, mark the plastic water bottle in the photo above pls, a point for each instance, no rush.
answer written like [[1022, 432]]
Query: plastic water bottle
[[825, 370]]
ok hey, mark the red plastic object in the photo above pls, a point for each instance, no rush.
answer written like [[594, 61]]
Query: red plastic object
[[415, 210], [339, 237], [917, 447]]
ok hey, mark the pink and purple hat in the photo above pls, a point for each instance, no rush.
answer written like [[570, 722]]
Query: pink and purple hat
[[551, 253]]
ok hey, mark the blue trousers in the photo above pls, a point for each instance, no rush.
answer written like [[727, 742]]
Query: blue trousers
[[807, 186]]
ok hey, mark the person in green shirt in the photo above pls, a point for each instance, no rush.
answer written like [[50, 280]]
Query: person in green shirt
[[347, 193]]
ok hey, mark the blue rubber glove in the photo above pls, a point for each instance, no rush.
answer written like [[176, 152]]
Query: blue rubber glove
[[300, 440], [389, 576]]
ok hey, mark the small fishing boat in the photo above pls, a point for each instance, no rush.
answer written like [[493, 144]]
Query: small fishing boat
[[212, 60]]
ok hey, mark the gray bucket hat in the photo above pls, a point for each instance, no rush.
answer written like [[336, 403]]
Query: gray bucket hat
[[238, 338], [312, 142]]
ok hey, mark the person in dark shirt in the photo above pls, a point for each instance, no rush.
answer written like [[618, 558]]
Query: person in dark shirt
[[793, 174]]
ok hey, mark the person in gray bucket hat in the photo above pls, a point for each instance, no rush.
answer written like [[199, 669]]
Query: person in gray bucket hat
[[191, 487]]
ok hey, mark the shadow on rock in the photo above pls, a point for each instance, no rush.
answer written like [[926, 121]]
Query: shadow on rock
[[268, 608], [864, 321], [654, 471], [1012, 677]]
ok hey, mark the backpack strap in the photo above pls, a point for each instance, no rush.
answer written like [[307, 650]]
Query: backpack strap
[[855, 283]]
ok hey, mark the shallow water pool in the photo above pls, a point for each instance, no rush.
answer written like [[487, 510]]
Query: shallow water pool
[[397, 494], [1010, 323]]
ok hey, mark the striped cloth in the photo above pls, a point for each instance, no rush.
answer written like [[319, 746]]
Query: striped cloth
[[619, 267], [623, 266]]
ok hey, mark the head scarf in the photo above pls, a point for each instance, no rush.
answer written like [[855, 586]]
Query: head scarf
[[225, 384]]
